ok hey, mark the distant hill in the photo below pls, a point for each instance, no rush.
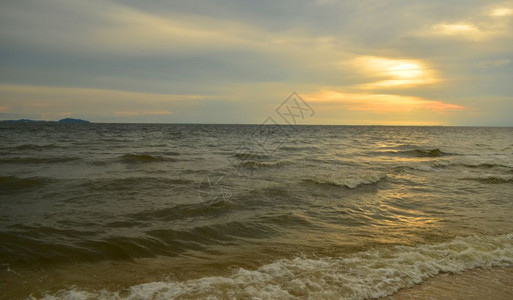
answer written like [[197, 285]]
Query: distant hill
[[62, 121], [73, 121]]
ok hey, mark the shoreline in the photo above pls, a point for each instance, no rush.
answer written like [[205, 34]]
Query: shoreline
[[132, 277], [479, 283]]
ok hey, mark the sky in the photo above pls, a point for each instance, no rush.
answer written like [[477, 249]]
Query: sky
[[355, 62]]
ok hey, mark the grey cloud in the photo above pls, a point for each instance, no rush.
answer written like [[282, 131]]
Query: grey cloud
[[297, 44]]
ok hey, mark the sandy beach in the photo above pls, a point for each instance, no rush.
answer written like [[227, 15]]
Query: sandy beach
[[494, 283]]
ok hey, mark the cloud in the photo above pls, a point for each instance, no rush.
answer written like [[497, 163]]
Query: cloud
[[492, 63], [142, 113], [501, 12], [231, 60], [115, 28], [127, 29], [380, 102], [110, 27], [460, 29], [80, 101], [394, 73]]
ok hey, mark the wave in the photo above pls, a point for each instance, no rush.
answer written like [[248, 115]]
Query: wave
[[251, 164], [363, 275], [486, 165], [348, 182], [432, 165], [41, 245], [182, 211], [31, 247], [250, 155], [143, 158], [418, 167], [289, 219], [480, 165], [416, 153], [13, 183], [423, 166], [299, 148], [37, 160], [492, 179], [172, 153], [426, 153], [117, 184], [34, 147]]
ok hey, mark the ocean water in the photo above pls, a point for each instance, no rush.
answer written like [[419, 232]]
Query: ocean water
[[138, 211]]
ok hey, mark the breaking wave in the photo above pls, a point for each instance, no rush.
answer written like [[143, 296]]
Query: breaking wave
[[363, 275]]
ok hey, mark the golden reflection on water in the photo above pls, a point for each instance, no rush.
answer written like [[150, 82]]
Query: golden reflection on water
[[393, 218]]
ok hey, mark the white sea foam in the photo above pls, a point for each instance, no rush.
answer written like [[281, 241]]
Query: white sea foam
[[362, 275]]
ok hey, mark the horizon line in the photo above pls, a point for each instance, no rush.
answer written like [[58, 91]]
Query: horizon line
[[257, 124]]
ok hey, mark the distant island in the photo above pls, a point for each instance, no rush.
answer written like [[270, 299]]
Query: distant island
[[73, 121], [62, 121]]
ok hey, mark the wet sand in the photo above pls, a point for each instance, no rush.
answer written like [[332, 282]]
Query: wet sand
[[495, 283]]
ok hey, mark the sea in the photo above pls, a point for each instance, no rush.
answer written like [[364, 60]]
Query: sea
[[192, 211]]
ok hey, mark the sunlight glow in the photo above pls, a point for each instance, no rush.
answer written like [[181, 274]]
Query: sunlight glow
[[465, 30], [394, 72], [501, 12], [381, 102]]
